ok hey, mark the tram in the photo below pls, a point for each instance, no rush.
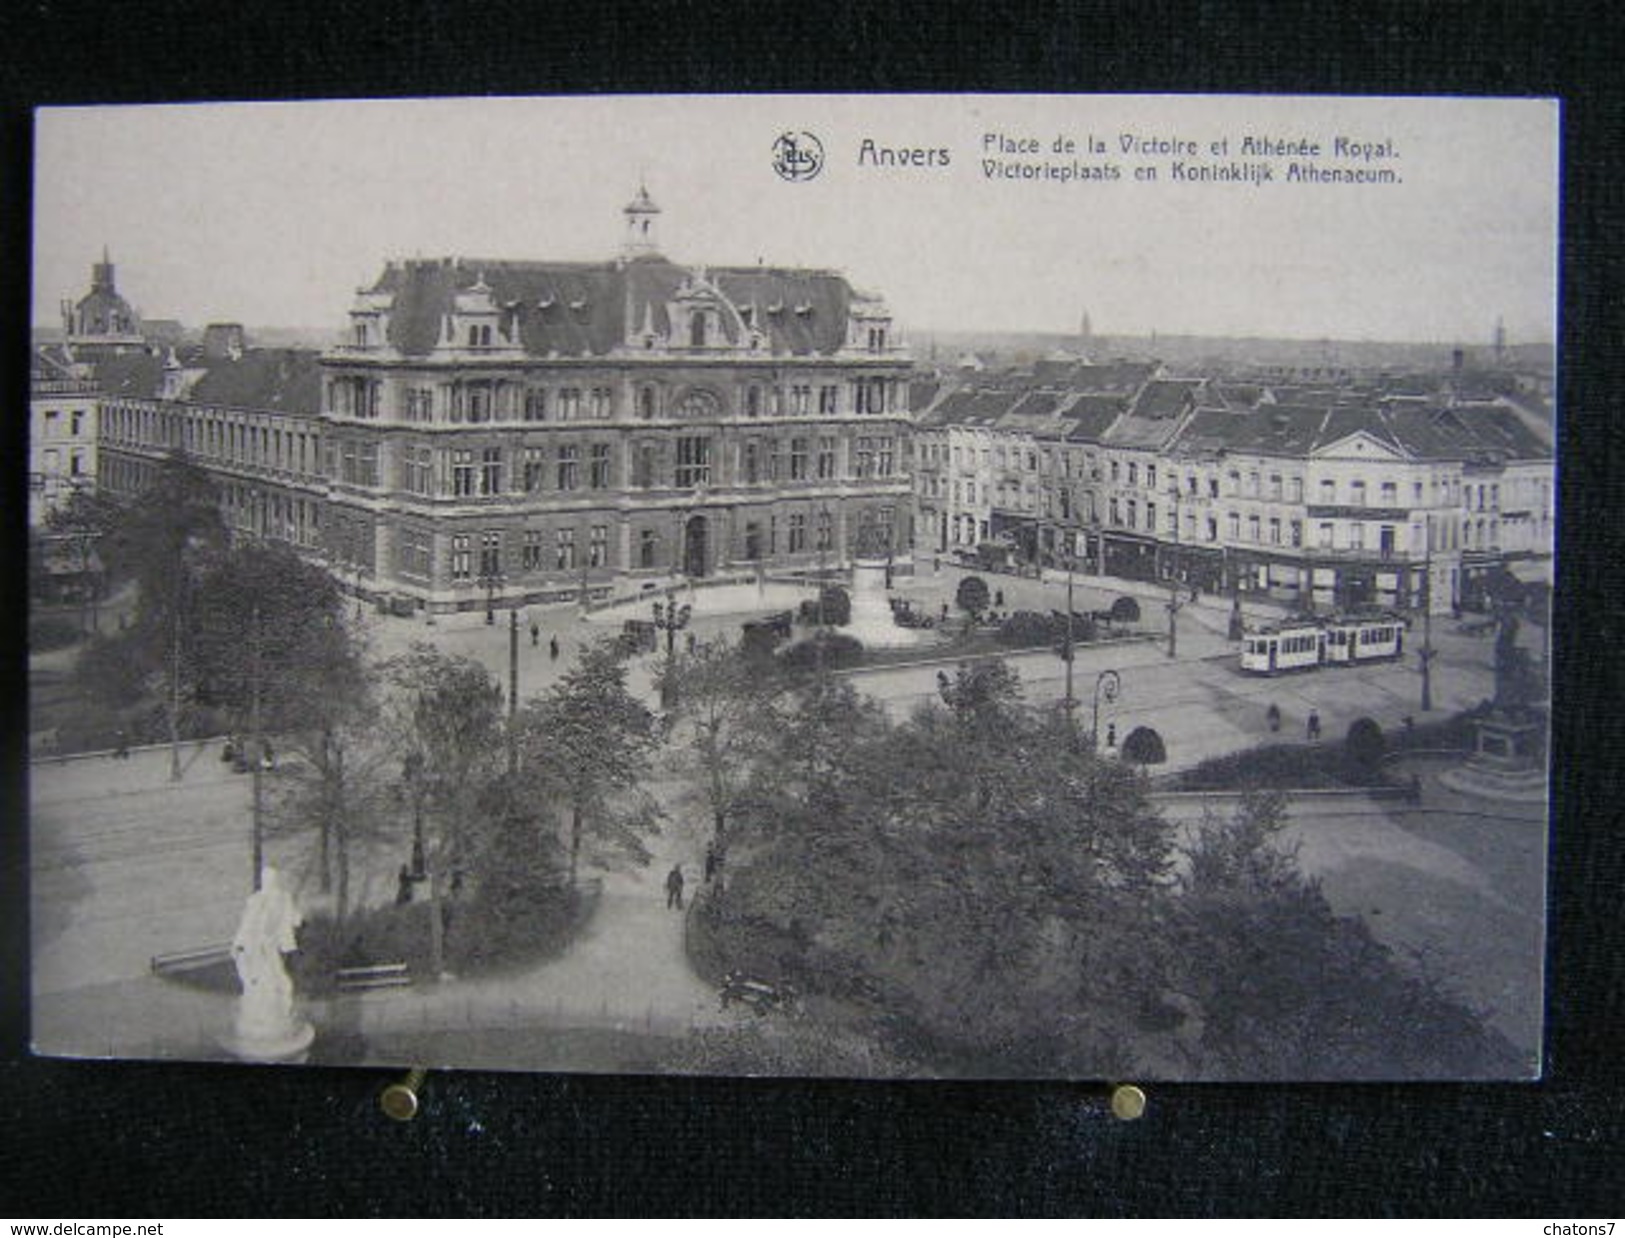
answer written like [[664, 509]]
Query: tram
[[1304, 644]]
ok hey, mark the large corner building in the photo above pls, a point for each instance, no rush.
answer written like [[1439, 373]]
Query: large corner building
[[516, 431]]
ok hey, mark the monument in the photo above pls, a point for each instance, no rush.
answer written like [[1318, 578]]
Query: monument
[[267, 1027], [872, 621], [1509, 756]]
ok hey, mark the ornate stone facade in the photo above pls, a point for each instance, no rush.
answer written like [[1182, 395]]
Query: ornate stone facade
[[501, 431]]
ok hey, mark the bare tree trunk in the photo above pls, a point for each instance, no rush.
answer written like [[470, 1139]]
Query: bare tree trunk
[[331, 792], [575, 842], [341, 853], [437, 928]]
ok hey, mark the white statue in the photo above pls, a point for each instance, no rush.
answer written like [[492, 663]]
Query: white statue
[[267, 1027]]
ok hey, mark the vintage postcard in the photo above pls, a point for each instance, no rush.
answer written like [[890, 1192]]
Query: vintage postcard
[[919, 586]]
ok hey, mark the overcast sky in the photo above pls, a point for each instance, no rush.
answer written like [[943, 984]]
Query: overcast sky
[[273, 214]]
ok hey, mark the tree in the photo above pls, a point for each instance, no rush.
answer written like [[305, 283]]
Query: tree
[[957, 876], [165, 540], [270, 625], [1283, 988], [447, 711], [588, 743], [725, 714], [972, 596], [39, 575], [342, 791], [166, 537]]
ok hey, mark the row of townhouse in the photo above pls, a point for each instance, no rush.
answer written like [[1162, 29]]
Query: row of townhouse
[[1326, 505]]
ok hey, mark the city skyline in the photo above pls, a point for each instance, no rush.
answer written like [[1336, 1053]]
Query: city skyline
[[272, 214]]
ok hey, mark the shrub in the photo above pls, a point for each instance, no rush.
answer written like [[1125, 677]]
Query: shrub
[[1269, 765], [1027, 628], [52, 632], [1125, 610], [482, 934], [836, 650]]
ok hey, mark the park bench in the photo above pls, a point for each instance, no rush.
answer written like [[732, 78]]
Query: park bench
[[376, 976], [199, 958], [759, 995]]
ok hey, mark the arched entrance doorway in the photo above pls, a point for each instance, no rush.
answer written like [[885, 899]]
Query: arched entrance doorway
[[694, 539]]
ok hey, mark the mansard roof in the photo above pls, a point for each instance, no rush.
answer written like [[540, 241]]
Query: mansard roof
[[278, 380], [1092, 415], [974, 406], [286, 380], [1155, 414], [1112, 378], [581, 309], [1461, 432], [133, 375]]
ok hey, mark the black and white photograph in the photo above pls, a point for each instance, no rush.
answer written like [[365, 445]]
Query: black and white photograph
[[902, 587]]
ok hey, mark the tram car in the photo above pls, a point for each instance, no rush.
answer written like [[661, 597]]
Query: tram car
[[1301, 645]]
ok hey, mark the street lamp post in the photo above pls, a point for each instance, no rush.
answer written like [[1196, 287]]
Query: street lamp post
[[1068, 648], [491, 580], [1425, 654], [257, 751], [1173, 579], [1108, 684], [671, 619]]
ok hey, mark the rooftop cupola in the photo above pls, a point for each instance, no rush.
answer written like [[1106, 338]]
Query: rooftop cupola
[[642, 236]]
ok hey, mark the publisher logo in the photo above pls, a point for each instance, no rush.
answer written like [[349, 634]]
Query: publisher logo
[[798, 156]]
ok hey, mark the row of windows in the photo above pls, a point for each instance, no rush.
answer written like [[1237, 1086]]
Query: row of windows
[[482, 401], [214, 436], [51, 463], [54, 421], [485, 472], [1251, 483], [482, 556]]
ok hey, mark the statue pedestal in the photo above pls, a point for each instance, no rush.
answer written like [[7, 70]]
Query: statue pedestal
[[288, 1044], [872, 621], [1503, 765]]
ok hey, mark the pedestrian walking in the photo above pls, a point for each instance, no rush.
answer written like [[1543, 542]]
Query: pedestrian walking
[[691, 643], [713, 861], [403, 886], [535, 633], [998, 599], [674, 886], [1272, 715], [1111, 735], [1314, 724], [553, 648]]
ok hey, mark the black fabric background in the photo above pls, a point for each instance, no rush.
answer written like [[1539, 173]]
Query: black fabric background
[[130, 1139]]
